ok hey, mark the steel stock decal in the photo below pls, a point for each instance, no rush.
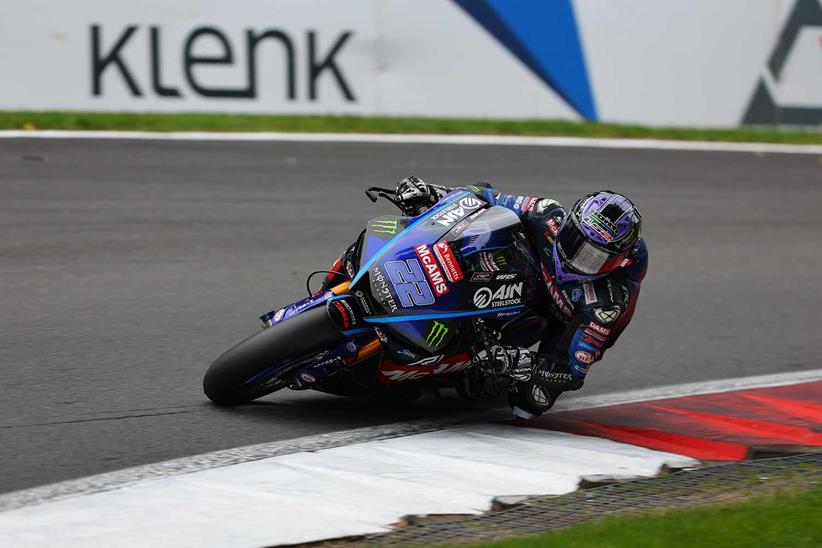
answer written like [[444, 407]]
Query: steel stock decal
[[454, 212], [505, 295]]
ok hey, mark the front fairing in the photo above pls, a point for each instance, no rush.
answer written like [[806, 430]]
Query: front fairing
[[461, 259]]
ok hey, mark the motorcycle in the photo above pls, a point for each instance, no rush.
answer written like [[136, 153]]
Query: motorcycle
[[422, 295]]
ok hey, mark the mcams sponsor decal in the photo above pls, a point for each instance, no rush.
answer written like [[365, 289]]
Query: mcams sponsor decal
[[456, 211], [432, 269], [504, 295], [206, 51]]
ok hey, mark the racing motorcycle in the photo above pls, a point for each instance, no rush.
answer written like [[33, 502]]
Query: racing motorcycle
[[421, 295]]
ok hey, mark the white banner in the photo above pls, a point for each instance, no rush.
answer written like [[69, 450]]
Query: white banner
[[697, 63]]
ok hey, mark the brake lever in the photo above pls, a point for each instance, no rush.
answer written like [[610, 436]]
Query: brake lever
[[384, 193]]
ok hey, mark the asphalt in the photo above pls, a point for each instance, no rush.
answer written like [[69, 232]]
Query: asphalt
[[127, 266]]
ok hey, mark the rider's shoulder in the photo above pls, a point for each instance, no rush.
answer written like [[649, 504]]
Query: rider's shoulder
[[638, 266], [544, 208]]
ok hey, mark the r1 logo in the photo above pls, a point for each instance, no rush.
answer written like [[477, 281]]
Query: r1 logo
[[409, 282]]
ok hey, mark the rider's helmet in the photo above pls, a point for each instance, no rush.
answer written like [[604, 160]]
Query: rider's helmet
[[597, 235]]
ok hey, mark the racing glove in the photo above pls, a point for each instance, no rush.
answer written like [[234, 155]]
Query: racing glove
[[538, 381], [416, 195], [548, 371], [500, 360]]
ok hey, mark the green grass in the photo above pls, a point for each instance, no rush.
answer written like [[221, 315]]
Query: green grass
[[789, 520], [363, 124]]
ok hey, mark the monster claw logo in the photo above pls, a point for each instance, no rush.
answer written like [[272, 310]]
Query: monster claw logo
[[384, 226], [437, 335]]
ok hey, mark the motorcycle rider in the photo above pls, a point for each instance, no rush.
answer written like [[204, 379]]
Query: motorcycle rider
[[593, 262]]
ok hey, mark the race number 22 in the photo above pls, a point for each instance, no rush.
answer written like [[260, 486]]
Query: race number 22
[[409, 282]]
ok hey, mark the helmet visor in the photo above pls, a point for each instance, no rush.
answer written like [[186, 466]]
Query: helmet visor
[[579, 255]]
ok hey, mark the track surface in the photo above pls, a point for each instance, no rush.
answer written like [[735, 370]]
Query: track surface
[[126, 267]]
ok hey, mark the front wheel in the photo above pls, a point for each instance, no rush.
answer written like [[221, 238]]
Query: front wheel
[[261, 363]]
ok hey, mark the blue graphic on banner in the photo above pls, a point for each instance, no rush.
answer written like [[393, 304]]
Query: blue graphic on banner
[[543, 35]]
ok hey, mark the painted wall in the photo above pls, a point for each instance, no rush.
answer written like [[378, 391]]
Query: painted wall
[[696, 63]]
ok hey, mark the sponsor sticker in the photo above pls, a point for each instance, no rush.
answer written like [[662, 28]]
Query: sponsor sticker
[[590, 293], [383, 226], [448, 261], [436, 335], [552, 225], [430, 360], [344, 311], [363, 301], [607, 315], [504, 295], [432, 269], [592, 340], [482, 277], [576, 294], [528, 205], [451, 214], [539, 397], [381, 290], [604, 331], [584, 357], [401, 373], [308, 377], [556, 296]]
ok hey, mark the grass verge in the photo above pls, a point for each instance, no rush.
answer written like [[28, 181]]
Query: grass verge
[[368, 124], [790, 520]]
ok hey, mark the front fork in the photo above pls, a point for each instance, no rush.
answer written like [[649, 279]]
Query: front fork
[[343, 310]]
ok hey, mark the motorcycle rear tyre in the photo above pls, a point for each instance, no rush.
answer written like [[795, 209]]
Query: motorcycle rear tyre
[[226, 380]]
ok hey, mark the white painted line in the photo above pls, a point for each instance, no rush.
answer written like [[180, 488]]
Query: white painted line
[[186, 465], [227, 457], [424, 139], [349, 490]]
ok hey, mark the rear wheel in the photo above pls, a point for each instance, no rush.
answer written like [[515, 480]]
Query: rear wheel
[[262, 363]]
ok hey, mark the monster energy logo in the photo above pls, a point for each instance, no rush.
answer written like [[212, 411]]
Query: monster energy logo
[[384, 226], [437, 335]]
